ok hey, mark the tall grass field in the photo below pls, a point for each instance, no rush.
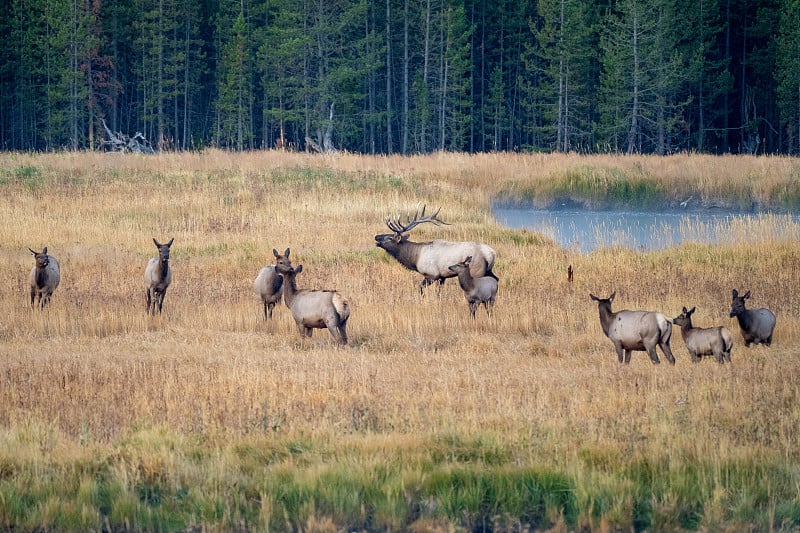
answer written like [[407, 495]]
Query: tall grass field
[[210, 418]]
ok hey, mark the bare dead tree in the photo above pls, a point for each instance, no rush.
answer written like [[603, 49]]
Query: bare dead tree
[[120, 142]]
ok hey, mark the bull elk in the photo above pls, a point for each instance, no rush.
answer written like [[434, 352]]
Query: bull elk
[[432, 259], [716, 341], [45, 277], [757, 325], [314, 308], [635, 330]]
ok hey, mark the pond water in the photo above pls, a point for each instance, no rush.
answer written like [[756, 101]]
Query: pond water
[[586, 230]]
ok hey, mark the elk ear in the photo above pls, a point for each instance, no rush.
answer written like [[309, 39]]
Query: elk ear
[[298, 269], [31, 251], [746, 295], [684, 311], [170, 242], [611, 298], [593, 297], [275, 253], [399, 237], [691, 311], [44, 250], [735, 293], [156, 242], [468, 259], [286, 253]]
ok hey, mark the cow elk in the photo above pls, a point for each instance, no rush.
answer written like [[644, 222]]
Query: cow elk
[[314, 309], [757, 325], [477, 291], [635, 330], [268, 286], [432, 259], [157, 278], [716, 341], [45, 277]]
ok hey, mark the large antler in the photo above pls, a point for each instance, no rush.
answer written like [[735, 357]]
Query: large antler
[[398, 227]]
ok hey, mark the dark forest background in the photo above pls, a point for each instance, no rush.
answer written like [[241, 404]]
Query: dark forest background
[[403, 76]]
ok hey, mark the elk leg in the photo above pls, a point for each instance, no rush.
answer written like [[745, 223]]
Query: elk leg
[[618, 348], [653, 355], [667, 352], [425, 283], [341, 335]]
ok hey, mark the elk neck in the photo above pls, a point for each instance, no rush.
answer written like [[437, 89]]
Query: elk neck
[[606, 316]]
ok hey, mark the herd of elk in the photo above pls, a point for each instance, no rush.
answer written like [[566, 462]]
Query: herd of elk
[[437, 260]]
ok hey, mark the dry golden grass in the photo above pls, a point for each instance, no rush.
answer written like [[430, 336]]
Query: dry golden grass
[[539, 375]]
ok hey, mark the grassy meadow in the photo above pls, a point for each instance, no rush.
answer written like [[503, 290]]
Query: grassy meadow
[[209, 418]]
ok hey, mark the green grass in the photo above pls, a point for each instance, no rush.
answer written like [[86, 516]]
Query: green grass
[[158, 480]]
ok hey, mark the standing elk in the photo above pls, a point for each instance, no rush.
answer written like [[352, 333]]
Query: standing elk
[[157, 278], [432, 259], [635, 330], [268, 286], [45, 277], [314, 308], [477, 291], [757, 325], [716, 341]]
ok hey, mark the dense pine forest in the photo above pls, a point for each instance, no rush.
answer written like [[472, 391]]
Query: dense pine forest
[[403, 76]]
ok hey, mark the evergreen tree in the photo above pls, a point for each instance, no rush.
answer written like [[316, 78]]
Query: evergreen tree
[[788, 72], [455, 72], [640, 101], [567, 51], [234, 81]]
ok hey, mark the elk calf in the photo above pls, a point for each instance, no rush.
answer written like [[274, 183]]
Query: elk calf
[[157, 278], [45, 277], [477, 291], [314, 308], [268, 286], [757, 325], [716, 341], [635, 330]]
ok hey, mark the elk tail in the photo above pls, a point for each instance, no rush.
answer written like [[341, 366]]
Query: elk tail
[[342, 306]]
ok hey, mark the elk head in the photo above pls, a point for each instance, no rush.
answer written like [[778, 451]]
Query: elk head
[[390, 241], [42, 259]]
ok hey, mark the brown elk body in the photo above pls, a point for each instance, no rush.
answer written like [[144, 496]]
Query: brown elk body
[[757, 325], [477, 291], [268, 286], [157, 278], [314, 309], [716, 341], [45, 277], [432, 259], [635, 331]]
